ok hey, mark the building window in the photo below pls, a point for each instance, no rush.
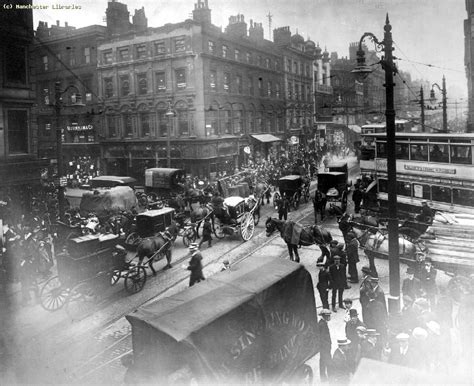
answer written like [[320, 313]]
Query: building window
[[127, 125], [145, 125], [307, 70], [237, 54], [142, 84], [277, 90], [226, 82], [251, 121], [45, 62], [269, 88], [17, 131], [238, 83], [251, 86], [211, 46], [47, 129], [141, 51], [277, 65], [58, 63], [179, 44], [163, 122], [238, 121], [225, 51], [260, 87], [72, 56], [288, 65], [160, 48], [87, 55], [267, 63], [183, 123], [248, 57], [295, 67], [461, 154], [180, 74], [124, 85], [161, 81], [107, 57], [112, 131], [290, 90], [259, 61], [45, 95], [15, 64], [124, 54], [108, 88], [227, 122], [213, 80]]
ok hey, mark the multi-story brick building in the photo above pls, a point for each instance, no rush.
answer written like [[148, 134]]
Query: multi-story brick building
[[19, 164], [68, 55], [224, 92], [469, 61]]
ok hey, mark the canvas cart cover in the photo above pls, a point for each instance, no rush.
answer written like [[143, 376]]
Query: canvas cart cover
[[164, 178], [105, 201], [254, 323]]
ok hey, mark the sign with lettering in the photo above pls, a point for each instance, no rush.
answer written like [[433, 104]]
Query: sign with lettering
[[80, 128], [430, 169]]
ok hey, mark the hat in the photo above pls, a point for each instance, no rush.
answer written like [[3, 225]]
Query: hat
[[337, 257], [424, 202], [347, 300], [372, 332], [333, 242], [374, 279], [419, 333], [226, 262], [361, 329], [343, 342], [353, 312], [324, 311], [366, 270], [410, 271], [403, 336], [320, 264]]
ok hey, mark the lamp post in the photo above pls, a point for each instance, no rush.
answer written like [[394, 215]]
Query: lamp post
[[443, 93], [170, 113], [59, 140], [390, 69]]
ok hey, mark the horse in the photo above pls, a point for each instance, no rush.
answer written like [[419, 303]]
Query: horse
[[295, 235], [319, 204], [149, 246]]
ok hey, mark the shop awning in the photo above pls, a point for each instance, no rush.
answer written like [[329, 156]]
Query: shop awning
[[266, 138]]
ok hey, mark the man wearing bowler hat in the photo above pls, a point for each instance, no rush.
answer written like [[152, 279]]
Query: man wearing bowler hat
[[195, 265], [411, 286], [325, 344], [351, 334], [341, 368], [324, 284], [428, 280], [338, 282]]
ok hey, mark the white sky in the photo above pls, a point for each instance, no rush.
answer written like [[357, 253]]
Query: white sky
[[424, 31]]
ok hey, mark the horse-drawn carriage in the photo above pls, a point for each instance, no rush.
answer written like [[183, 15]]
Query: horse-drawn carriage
[[162, 184], [294, 187], [89, 264], [237, 215], [254, 323], [335, 187]]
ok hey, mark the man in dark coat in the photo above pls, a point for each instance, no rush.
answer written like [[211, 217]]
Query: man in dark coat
[[369, 347], [324, 283], [283, 207], [319, 205], [428, 280], [411, 286], [325, 344], [352, 250], [352, 335], [376, 316], [357, 196], [195, 265], [365, 288], [341, 368], [401, 353], [206, 233], [338, 282]]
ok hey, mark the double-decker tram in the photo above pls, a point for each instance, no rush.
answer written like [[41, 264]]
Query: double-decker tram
[[433, 167]]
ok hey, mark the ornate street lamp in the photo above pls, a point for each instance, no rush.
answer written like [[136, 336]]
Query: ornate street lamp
[[433, 98], [170, 113], [58, 104], [390, 69]]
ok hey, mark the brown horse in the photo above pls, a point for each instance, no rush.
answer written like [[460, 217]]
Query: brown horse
[[295, 235], [149, 246]]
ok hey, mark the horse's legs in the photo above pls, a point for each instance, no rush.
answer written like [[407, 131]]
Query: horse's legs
[[290, 251], [295, 250], [168, 259]]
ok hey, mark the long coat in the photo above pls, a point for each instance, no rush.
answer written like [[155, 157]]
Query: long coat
[[412, 288], [338, 276], [195, 266], [340, 368]]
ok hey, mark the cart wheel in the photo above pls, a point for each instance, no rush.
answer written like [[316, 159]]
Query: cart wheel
[[247, 226], [218, 230], [53, 295], [306, 196], [132, 239], [189, 236], [81, 301], [135, 279]]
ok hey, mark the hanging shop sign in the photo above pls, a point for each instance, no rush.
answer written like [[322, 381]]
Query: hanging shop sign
[[247, 149], [80, 128]]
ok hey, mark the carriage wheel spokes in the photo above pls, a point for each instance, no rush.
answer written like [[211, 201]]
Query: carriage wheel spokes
[[247, 226], [116, 276], [296, 200], [135, 279], [81, 301], [189, 236], [53, 295], [132, 239], [256, 218]]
